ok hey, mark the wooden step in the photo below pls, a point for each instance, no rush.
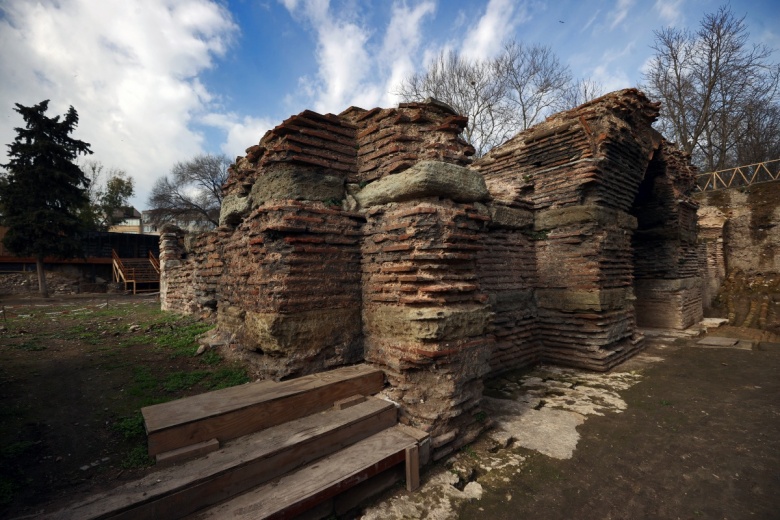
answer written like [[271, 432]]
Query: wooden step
[[242, 464], [297, 492], [240, 410]]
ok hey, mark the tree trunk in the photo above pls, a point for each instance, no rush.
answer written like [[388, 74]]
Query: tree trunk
[[42, 289]]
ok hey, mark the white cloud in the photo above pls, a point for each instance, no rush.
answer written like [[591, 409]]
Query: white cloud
[[242, 132], [669, 11], [341, 54], [401, 43], [484, 40], [352, 68], [610, 79], [621, 11], [129, 68]]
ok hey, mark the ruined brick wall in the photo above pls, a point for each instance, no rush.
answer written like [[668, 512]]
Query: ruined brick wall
[[506, 268], [291, 287], [667, 273], [390, 140], [190, 271], [712, 262], [580, 172], [425, 316], [367, 236], [176, 290]]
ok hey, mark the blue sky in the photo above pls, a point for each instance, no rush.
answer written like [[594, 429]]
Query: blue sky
[[158, 81]]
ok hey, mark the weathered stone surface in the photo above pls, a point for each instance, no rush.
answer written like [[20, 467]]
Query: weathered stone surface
[[510, 218], [234, 209], [581, 300], [432, 323], [293, 183], [426, 179], [559, 217], [303, 333]]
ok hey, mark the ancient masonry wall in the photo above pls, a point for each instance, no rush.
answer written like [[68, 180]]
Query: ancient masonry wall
[[712, 262], [366, 236], [666, 253]]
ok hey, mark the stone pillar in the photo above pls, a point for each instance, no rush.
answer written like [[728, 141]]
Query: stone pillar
[[425, 316], [173, 277], [585, 296]]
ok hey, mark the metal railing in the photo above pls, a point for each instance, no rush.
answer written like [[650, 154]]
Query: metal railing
[[739, 177]]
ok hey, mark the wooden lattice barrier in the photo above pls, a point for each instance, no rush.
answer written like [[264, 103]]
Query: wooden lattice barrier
[[740, 176]]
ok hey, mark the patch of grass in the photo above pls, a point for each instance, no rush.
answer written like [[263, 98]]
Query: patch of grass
[[144, 382], [16, 448], [210, 357], [82, 332], [30, 346], [468, 450], [664, 402], [177, 381], [137, 457], [131, 427], [226, 377], [7, 490], [182, 340]]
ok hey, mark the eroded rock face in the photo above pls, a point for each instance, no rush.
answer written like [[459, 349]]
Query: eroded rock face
[[370, 236]]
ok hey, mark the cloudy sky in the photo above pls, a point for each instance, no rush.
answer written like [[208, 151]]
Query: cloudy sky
[[158, 81]]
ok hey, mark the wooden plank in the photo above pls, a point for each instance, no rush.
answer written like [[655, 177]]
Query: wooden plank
[[188, 452], [242, 464], [412, 468], [349, 401], [297, 492], [232, 412]]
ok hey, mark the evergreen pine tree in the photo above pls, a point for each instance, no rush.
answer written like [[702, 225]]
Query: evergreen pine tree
[[44, 189]]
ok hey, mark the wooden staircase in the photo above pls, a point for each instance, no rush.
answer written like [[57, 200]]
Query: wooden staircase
[[137, 271], [317, 445]]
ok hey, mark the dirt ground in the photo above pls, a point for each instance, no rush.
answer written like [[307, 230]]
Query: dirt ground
[[679, 431], [699, 438], [74, 372]]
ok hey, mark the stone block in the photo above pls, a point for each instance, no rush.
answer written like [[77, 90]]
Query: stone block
[[572, 215], [429, 323], [300, 333], [510, 218], [571, 300], [234, 208], [426, 179], [286, 182]]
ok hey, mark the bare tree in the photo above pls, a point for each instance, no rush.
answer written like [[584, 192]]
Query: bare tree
[[192, 196], [759, 134], [535, 81], [473, 89], [707, 82], [579, 92], [501, 96]]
